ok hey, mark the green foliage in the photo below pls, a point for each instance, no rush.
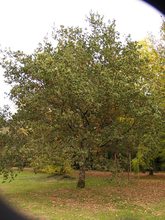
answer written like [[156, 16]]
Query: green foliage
[[81, 95], [59, 170], [137, 162]]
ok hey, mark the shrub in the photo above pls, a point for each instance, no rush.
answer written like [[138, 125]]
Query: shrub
[[57, 169]]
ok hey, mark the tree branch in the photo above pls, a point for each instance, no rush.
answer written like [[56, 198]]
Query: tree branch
[[110, 140]]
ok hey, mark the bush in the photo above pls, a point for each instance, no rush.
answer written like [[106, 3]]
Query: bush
[[56, 169]]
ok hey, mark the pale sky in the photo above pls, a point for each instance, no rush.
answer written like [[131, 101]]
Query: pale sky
[[24, 23]]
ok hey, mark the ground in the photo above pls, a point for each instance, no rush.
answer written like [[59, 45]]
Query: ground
[[104, 198]]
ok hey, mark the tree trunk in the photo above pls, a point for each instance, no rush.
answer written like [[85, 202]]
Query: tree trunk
[[116, 163], [81, 180], [129, 166], [151, 171]]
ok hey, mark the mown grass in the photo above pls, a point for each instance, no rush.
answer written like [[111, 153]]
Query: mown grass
[[58, 198]]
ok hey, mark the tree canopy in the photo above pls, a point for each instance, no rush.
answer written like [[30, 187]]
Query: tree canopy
[[83, 95]]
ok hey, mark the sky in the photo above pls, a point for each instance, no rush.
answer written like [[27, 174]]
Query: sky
[[24, 23]]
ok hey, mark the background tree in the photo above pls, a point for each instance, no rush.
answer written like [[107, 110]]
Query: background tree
[[153, 52]]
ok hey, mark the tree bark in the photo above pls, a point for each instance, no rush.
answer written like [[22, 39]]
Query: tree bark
[[151, 171], [81, 180]]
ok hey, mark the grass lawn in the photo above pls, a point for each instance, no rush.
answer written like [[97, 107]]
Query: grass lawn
[[51, 198]]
